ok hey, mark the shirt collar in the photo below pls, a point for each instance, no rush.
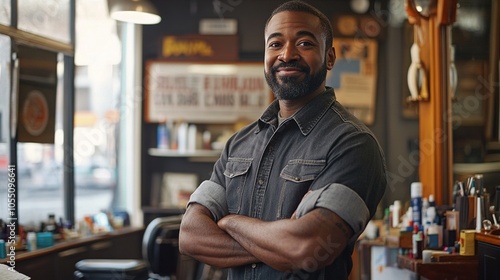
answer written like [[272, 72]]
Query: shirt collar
[[307, 117]]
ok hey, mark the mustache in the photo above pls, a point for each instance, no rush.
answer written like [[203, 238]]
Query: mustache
[[294, 64]]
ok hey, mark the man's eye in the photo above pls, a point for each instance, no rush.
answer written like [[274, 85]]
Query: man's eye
[[274, 45], [306, 44]]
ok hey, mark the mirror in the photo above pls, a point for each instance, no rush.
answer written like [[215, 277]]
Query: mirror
[[475, 109]]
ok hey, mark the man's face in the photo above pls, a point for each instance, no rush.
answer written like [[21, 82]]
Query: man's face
[[295, 58]]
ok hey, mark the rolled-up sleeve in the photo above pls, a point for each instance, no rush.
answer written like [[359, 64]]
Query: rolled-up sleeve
[[341, 200], [213, 197]]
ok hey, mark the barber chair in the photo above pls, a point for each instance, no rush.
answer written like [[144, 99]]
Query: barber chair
[[160, 256]]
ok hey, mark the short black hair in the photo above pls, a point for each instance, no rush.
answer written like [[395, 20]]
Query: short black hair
[[300, 6]]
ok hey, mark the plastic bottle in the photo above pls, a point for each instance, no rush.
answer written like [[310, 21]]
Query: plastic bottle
[[432, 204], [3, 253], [182, 135], [387, 221], [425, 206], [396, 213], [31, 240], [161, 134], [417, 242], [416, 202], [191, 138]]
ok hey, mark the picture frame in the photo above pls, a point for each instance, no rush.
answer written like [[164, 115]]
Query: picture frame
[[205, 92], [177, 188], [354, 76]]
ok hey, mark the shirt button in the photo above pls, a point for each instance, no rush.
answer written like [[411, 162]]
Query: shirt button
[[261, 182], [254, 265]]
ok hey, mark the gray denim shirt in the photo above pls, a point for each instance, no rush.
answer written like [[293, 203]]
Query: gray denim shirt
[[266, 169]]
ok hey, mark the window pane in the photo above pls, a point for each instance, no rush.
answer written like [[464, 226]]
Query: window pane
[[48, 18], [5, 12], [40, 182], [40, 166], [5, 52], [96, 122], [97, 85]]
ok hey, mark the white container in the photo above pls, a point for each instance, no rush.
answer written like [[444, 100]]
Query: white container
[[31, 240], [396, 213], [416, 202], [191, 138], [182, 135]]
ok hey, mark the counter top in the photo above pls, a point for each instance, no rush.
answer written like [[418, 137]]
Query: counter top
[[488, 238], [73, 243], [446, 267]]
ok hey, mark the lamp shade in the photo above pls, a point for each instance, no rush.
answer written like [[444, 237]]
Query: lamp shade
[[134, 11]]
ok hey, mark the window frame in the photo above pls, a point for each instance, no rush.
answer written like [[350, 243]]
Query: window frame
[[20, 37]]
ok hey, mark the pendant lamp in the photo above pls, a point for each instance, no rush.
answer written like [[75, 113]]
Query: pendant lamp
[[134, 11]]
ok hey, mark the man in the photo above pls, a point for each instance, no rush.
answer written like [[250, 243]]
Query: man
[[292, 191]]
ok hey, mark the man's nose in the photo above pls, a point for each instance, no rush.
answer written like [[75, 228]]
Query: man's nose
[[289, 53]]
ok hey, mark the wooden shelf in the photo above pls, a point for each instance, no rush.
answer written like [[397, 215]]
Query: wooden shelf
[[164, 211], [210, 155], [485, 167]]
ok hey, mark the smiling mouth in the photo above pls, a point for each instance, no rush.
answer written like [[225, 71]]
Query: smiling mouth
[[289, 71]]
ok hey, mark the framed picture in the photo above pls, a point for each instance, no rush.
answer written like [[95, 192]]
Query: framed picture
[[177, 188], [354, 76], [205, 92]]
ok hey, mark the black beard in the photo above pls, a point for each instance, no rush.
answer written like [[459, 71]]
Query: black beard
[[291, 88]]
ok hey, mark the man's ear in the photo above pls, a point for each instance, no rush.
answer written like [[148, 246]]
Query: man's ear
[[330, 56]]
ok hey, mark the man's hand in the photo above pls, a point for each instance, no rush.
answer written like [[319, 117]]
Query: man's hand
[[202, 239]]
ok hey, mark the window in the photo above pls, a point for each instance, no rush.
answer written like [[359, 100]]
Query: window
[[43, 17], [4, 119], [39, 153], [40, 166], [97, 89], [5, 12]]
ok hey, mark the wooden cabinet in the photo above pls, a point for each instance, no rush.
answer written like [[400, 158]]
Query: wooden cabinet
[[66, 261], [58, 262], [488, 252], [39, 268], [489, 260]]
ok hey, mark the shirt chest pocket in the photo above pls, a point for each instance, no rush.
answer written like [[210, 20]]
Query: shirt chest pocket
[[297, 177], [236, 174]]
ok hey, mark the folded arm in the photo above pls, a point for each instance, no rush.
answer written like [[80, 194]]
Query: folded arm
[[201, 238], [310, 242]]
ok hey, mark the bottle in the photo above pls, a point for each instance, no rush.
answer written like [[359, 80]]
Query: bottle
[[417, 242], [51, 225], [31, 240], [191, 138], [416, 202], [162, 136], [3, 253], [479, 214], [425, 206], [432, 237], [387, 222], [182, 135], [396, 213], [432, 204]]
